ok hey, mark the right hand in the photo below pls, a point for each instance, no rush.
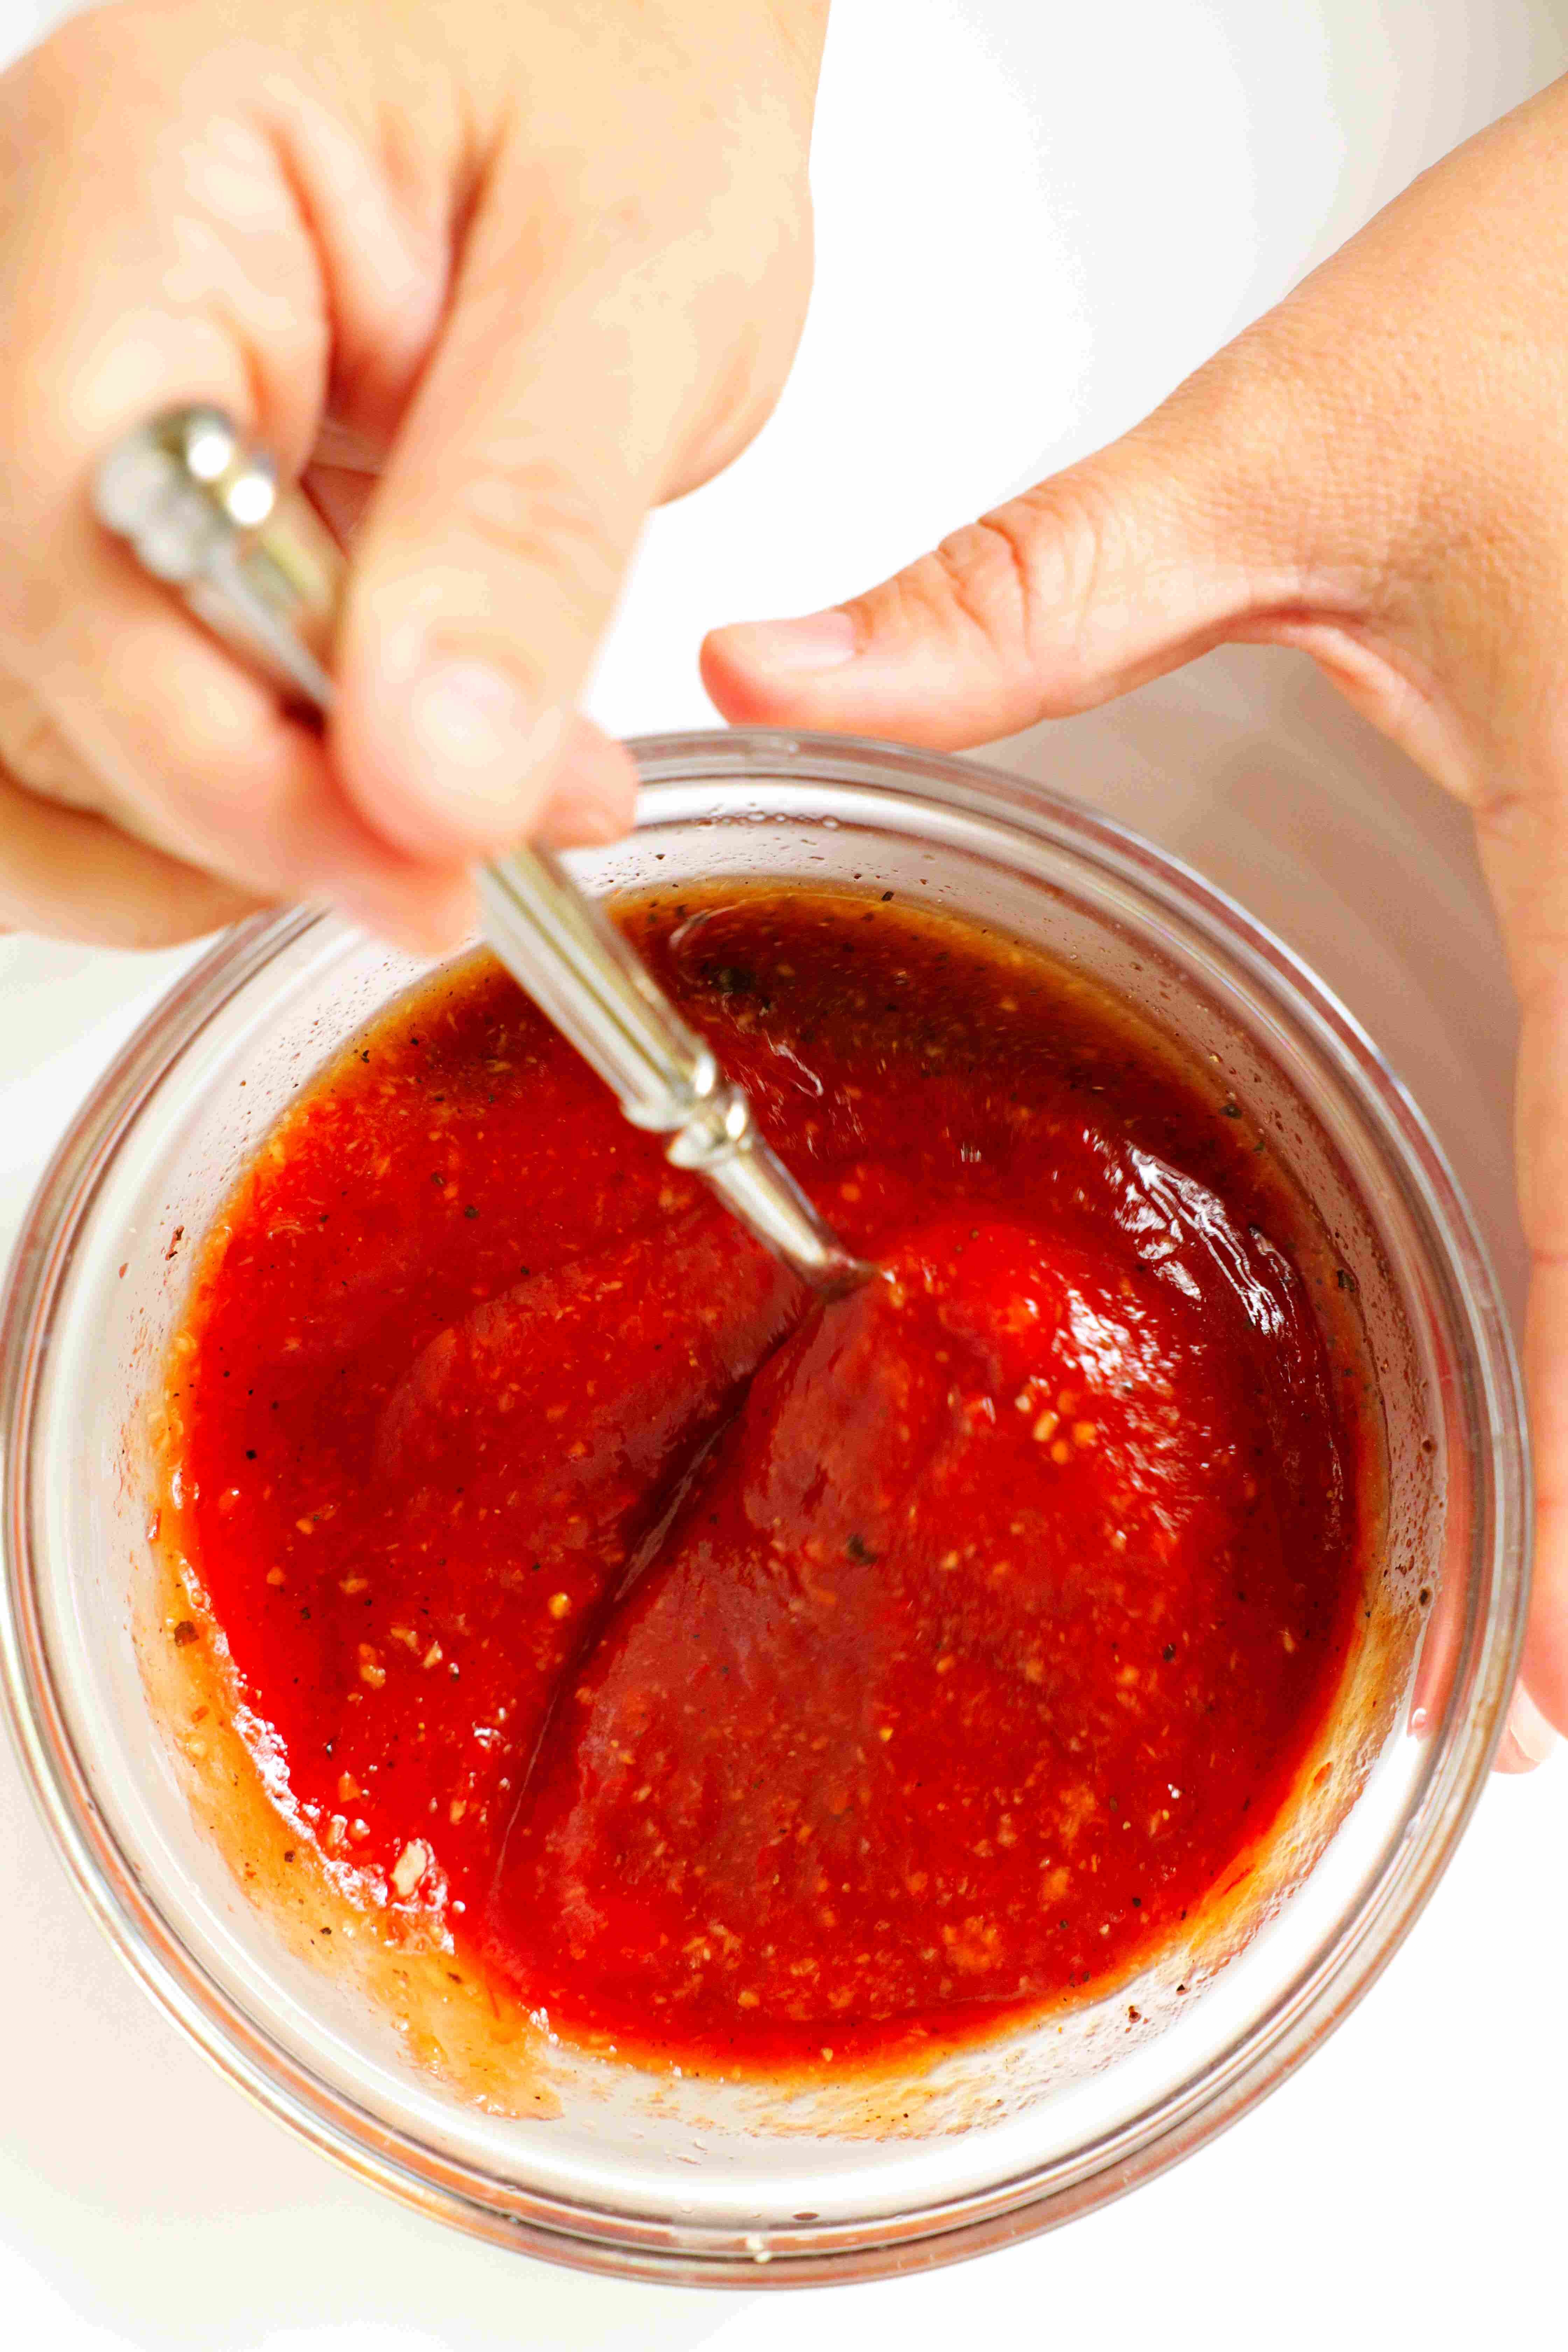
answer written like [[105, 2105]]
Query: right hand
[[501, 278], [1377, 471]]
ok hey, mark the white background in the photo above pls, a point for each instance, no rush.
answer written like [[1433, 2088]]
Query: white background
[[1034, 219]]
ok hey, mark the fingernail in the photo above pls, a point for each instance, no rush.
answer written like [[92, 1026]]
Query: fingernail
[[587, 816], [586, 812], [593, 793], [480, 735], [1531, 1732], [815, 641], [432, 915], [592, 822]]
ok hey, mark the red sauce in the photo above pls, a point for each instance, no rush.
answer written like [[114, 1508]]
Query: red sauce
[[747, 1679]]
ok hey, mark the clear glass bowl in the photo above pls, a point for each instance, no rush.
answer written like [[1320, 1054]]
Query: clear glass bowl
[[668, 2179]]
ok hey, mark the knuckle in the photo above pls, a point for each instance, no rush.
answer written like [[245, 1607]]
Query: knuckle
[[1025, 577], [1076, 542], [970, 584], [744, 393], [48, 78], [54, 78], [35, 754], [535, 516]]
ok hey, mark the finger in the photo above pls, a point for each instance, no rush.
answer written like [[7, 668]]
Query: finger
[[1124, 566], [198, 759], [125, 288], [1279, 495], [424, 911], [1315, 484], [66, 873], [490, 558], [51, 876]]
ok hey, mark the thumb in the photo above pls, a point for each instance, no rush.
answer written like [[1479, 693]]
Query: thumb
[[1149, 552], [490, 560]]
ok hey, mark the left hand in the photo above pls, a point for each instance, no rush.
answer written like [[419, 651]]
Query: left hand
[[1377, 471], [497, 279]]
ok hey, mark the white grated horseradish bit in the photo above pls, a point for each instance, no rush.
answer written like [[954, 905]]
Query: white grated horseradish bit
[[410, 1866]]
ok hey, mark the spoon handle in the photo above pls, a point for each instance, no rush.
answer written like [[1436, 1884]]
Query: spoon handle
[[204, 513]]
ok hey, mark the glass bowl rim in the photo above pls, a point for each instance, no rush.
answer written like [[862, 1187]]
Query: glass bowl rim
[[1272, 2046]]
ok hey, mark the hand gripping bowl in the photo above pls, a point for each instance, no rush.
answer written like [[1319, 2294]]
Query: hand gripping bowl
[[728, 2182]]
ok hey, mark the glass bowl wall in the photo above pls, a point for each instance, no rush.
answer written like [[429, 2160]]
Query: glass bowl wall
[[719, 2182]]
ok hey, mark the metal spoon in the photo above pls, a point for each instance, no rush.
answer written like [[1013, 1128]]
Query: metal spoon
[[204, 512]]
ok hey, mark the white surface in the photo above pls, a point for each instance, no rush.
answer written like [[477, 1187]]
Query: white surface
[[1033, 220]]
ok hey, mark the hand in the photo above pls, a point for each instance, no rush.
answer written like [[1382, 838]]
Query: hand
[[501, 278], [1378, 472]]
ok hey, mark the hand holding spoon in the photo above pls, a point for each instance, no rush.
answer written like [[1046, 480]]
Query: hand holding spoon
[[203, 512]]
